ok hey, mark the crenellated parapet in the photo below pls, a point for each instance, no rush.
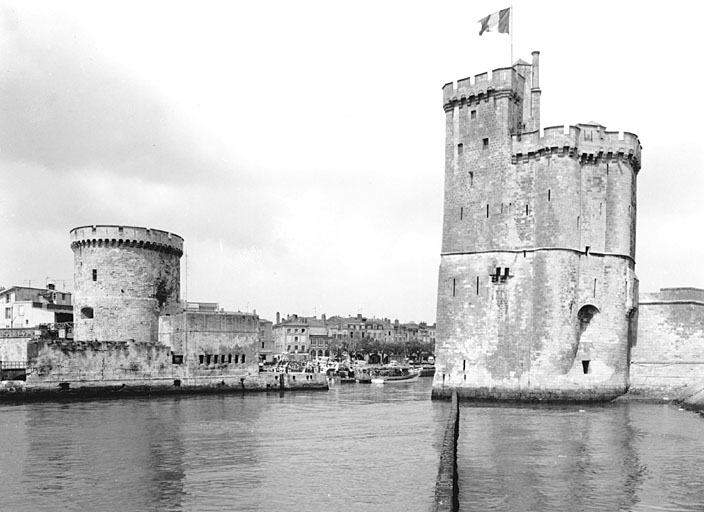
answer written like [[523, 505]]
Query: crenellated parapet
[[588, 143], [126, 236], [503, 81]]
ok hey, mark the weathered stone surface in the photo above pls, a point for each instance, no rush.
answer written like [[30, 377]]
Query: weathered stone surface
[[537, 290]]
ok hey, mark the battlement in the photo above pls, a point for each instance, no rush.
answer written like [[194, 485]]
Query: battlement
[[501, 79], [113, 235], [587, 142]]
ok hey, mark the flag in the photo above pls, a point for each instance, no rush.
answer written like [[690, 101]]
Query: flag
[[500, 19]]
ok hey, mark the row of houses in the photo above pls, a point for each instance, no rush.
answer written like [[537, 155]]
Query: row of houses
[[292, 337], [301, 337]]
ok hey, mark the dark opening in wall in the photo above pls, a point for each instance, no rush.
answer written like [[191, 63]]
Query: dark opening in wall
[[526, 209], [487, 211], [585, 366], [177, 383], [454, 286], [464, 365], [237, 356], [460, 149], [548, 195], [473, 114], [461, 212], [215, 359], [207, 358], [485, 143], [95, 274], [200, 359], [471, 179], [86, 313], [177, 358], [477, 285], [229, 356], [242, 358]]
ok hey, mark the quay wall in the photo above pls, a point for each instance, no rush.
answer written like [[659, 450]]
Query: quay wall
[[668, 356]]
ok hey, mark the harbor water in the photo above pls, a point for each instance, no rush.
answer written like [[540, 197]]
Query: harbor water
[[356, 447]]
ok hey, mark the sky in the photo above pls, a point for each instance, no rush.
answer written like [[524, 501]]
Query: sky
[[298, 147]]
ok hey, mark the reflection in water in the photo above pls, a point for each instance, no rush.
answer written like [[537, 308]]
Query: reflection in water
[[354, 448], [572, 458]]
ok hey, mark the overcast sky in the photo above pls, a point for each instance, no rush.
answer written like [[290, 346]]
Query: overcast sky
[[298, 146]]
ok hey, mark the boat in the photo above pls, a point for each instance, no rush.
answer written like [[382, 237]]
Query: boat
[[395, 376], [427, 370]]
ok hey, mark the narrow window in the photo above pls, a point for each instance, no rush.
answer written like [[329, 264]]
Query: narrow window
[[95, 274], [473, 114], [461, 212], [200, 359], [594, 287], [215, 359], [485, 143], [524, 254], [207, 358], [464, 365], [578, 221], [242, 358], [237, 356], [460, 149], [585, 366], [487, 211], [548, 195], [526, 209], [454, 286], [471, 179], [477, 285]]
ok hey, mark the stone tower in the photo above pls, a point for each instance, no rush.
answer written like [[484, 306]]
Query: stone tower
[[125, 277], [537, 290]]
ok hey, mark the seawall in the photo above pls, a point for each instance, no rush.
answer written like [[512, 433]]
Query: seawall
[[447, 485]]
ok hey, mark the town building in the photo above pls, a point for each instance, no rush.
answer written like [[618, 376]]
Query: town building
[[30, 307], [537, 291]]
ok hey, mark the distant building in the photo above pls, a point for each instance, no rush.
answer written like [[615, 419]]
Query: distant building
[[266, 341], [31, 307]]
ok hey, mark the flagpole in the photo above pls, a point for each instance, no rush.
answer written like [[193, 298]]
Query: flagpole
[[512, 12]]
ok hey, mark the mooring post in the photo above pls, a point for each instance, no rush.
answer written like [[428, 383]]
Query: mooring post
[[447, 485]]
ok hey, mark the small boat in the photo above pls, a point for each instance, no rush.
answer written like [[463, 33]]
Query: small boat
[[395, 376]]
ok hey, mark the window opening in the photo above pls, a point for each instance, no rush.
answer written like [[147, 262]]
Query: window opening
[[86, 313], [548, 195], [461, 212], [471, 178], [487, 211], [477, 285], [585, 366], [473, 114], [454, 286], [460, 149], [526, 209], [485, 143], [95, 274]]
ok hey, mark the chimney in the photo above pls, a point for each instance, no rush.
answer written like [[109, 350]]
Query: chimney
[[324, 318], [278, 317]]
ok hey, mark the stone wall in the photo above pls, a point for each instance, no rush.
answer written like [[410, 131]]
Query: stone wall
[[669, 353], [536, 291], [125, 277], [213, 342]]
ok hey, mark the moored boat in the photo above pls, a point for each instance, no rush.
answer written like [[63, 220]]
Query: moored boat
[[395, 376]]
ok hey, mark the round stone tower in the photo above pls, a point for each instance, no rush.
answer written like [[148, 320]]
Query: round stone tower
[[125, 277]]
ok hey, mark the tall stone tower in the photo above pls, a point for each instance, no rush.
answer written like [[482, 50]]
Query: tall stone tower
[[125, 277], [537, 291]]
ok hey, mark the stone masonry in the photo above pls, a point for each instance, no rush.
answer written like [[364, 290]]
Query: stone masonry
[[537, 291], [125, 278]]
